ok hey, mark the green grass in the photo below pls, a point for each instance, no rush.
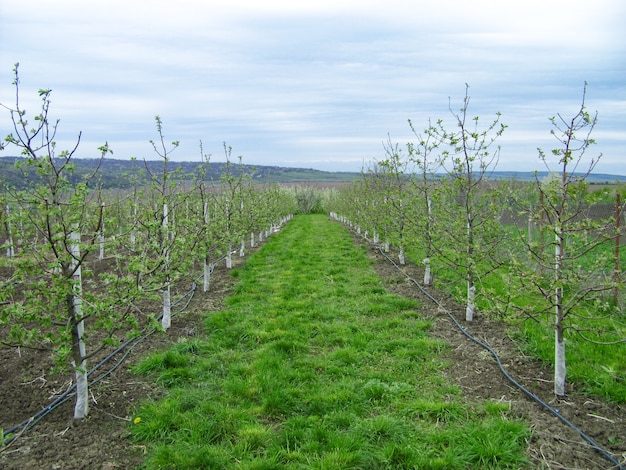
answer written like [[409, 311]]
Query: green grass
[[312, 364]]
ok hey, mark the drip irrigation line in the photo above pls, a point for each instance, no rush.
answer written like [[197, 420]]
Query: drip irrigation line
[[70, 392], [555, 412]]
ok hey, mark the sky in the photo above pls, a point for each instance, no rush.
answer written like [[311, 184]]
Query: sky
[[315, 84]]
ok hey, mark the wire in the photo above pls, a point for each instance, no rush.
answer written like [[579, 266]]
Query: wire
[[528, 393]]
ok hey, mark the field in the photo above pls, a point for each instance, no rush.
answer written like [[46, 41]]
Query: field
[[466, 382]]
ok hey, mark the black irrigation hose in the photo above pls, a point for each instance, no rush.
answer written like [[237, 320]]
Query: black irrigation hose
[[528, 393], [69, 393]]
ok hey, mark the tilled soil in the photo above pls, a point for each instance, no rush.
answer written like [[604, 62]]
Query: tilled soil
[[101, 440]]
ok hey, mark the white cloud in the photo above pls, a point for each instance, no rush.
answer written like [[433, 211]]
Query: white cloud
[[320, 82]]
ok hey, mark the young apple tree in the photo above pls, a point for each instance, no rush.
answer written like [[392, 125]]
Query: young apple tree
[[158, 227], [420, 152], [48, 308], [571, 275], [469, 233], [397, 173], [232, 204]]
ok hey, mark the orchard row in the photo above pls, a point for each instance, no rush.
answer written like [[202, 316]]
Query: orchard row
[[84, 266], [540, 252]]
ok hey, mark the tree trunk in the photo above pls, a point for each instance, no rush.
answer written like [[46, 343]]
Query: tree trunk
[[207, 275], [229, 257], [427, 275], [559, 343], [101, 235], [166, 320], [471, 288], [560, 368], [469, 309], [75, 307]]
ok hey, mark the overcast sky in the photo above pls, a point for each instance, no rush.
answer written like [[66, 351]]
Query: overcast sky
[[315, 84]]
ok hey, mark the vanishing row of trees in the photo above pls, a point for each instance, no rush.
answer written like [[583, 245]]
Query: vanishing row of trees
[[84, 267], [435, 197]]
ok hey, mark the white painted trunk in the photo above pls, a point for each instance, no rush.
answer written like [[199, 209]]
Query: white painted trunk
[[252, 240], [229, 258], [560, 369], [207, 277], [401, 256], [242, 249], [387, 246], [101, 240], [166, 216], [559, 342], [166, 319], [427, 276], [101, 236], [81, 407], [469, 310]]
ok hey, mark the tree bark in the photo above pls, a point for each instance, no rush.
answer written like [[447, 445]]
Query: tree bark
[[166, 320], [560, 368], [75, 307], [207, 276], [559, 343]]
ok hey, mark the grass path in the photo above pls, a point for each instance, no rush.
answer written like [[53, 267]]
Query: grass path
[[312, 364]]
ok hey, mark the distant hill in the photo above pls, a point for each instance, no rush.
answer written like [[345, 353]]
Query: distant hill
[[594, 178], [118, 173]]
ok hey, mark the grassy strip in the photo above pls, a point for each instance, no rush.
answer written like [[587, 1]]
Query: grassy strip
[[314, 365]]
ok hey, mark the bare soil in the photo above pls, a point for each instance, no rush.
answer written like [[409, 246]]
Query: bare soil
[[101, 441]]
